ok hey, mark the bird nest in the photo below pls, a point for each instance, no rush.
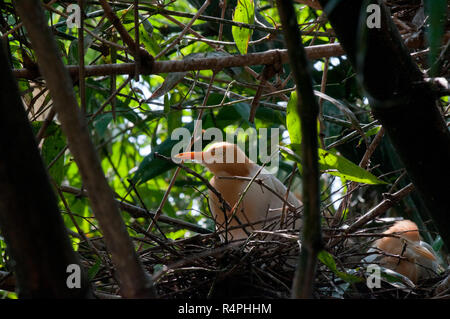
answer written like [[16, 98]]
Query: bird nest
[[263, 266]]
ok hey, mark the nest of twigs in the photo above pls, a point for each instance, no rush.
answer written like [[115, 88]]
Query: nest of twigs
[[263, 266]]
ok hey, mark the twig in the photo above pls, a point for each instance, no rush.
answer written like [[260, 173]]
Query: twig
[[136, 212], [382, 207], [182, 33], [363, 164]]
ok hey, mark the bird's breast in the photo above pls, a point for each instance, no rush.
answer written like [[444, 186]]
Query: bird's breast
[[257, 202]]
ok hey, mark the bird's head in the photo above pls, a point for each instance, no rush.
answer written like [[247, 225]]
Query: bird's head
[[221, 158], [417, 251], [407, 243]]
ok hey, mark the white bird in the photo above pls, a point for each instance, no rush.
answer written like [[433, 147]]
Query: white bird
[[232, 171], [418, 262]]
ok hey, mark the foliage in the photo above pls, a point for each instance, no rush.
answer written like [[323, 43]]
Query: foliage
[[138, 122]]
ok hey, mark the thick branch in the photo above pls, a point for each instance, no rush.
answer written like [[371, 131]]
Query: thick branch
[[132, 278], [30, 221], [308, 110]]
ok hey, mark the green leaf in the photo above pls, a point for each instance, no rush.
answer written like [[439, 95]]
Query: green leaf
[[293, 120], [336, 165], [340, 166], [328, 260], [173, 116], [438, 243], [328, 161], [245, 13], [101, 123], [54, 142], [92, 272]]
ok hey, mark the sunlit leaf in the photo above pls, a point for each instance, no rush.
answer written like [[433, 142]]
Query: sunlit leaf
[[329, 162], [245, 13], [328, 260], [336, 165]]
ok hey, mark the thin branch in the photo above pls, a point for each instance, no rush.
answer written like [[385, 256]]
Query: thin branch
[[186, 29], [137, 212], [381, 208], [145, 58]]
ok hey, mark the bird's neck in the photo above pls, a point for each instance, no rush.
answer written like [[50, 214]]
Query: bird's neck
[[234, 169]]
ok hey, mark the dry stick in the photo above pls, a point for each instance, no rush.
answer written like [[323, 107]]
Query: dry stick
[[146, 60], [80, 232], [204, 180], [308, 110], [49, 8], [143, 205], [226, 92], [363, 164], [381, 208], [109, 99], [223, 4], [113, 79], [133, 280], [188, 26], [8, 283], [137, 212], [266, 57], [162, 11], [268, 72]]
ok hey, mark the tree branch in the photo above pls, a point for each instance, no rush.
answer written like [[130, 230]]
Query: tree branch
[[267, 57], [308, 110], [30, 221], [133, 280], [136, 212]]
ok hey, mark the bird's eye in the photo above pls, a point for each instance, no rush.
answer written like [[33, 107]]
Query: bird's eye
[[213, 152]]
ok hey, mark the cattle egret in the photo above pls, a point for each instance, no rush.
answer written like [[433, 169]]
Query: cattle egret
[[228, 162], [413, 258]]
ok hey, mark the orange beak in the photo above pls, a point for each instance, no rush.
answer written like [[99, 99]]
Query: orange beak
[[190, 156]]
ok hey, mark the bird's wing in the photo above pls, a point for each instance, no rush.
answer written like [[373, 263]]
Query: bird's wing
[[280, 188]]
